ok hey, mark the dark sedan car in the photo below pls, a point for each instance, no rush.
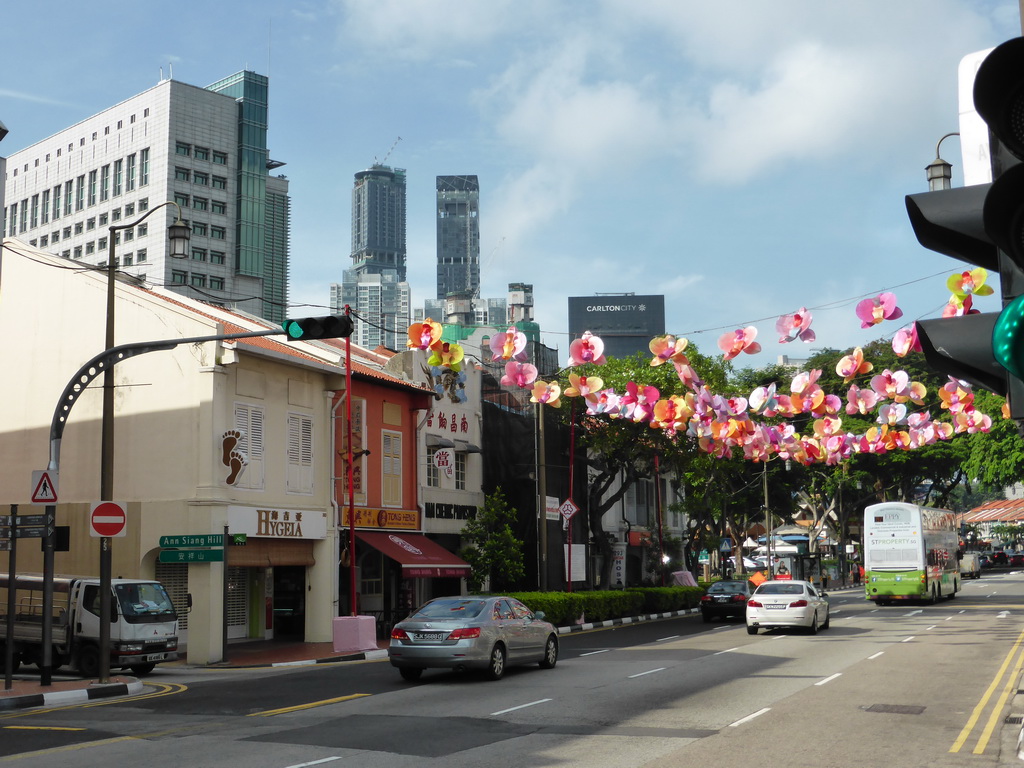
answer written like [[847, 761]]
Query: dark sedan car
[[726, 598], [1000, 558], [1017, 560]]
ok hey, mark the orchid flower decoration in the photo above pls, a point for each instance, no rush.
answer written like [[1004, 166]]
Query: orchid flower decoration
[[873, 311], [906, 340], [668, 349], [969, 283], [519, 374], [424, 335], [583, 386], [740, 340], [447, 355], [796, 326], [547, 393], [853, 365], [587, 349], [508, 345]]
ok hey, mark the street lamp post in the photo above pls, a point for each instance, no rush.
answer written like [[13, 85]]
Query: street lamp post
[[179, 234]]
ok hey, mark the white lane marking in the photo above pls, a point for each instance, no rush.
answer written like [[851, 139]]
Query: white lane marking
[[521, 706], [913, 613], [834, 612], [748, 718], [1002, 614], [648, 672], [931, 627], [727, 650], [829, 679], [875, 656], [591, 653], [663, 639], [907, 639], [947, 618], [315, 762]]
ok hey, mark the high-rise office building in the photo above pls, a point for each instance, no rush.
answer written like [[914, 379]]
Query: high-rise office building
[[458, 236], [204, 149], [375, 286]]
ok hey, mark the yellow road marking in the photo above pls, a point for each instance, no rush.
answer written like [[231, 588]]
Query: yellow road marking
[[980, 707], [164, 689], [310, 705], [39, 728]]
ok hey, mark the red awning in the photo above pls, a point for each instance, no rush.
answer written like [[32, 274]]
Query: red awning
[[419, 556]]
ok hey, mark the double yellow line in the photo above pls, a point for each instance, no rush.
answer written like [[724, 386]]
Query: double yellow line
[[1008, 688]]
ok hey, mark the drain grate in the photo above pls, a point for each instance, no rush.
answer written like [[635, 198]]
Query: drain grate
[[1014, 720], [896, 709]]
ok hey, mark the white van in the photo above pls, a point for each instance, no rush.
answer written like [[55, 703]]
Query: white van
[[970, 566]]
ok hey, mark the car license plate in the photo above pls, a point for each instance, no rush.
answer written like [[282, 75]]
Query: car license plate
[[156, 657], [430, 636], [775, 607], [721, 599]]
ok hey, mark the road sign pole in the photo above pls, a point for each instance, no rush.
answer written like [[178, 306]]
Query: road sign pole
[[47, 668], [12, 569]]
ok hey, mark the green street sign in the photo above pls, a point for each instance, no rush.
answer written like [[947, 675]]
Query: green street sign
[[239, 539], [191, 555], [193, 540]]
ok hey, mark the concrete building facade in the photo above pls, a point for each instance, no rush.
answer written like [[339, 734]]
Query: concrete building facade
[[204, 149]]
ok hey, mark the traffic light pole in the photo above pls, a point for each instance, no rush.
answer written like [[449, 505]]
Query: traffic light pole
[[102, 363]]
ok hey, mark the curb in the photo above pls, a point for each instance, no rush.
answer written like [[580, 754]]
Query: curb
[[70, 697], [380, 653], [625, 620]]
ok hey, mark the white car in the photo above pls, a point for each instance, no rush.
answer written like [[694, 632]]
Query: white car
[[787, 603]]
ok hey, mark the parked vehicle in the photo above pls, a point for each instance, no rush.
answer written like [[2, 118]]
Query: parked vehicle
[[463, 633], [1000, 558], [790, 603], [143, 623], [985, 561], [1017, 560], [726, 598], [970, 566]]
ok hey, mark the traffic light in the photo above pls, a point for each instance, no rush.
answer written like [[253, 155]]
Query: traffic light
[[329, 327], [984, 225]]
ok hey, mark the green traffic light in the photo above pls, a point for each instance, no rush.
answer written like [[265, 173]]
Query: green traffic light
[[1008, 337]]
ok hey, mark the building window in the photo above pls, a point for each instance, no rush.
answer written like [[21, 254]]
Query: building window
[[460, 471], [140, 256], [220, 158], [129, 234], [45, 210], [249, 423], [90, 248], [129, 209], [198, 281], [44, 241], [178, 277], [185, 150], [143, 228], [202, 153], [202, 179], [216, 257], [78, 251], [90, 224], [56, 202], [103, 244], [217, 283], [181, 200], [55, 236], [35, 211], [104, 218], [24, 216], [391, 469], [218, 206], [199, 254], [78, 228], [217, 233], [144, 160], [300, 454], [104, 183], [129, 181], [199, 228], [67, 232], [433, 473], [128, 259], [68, 197], [143, 204], [115, 214], [182, 174], [93, 176], [200, 203], [219, 182], [80, 193]]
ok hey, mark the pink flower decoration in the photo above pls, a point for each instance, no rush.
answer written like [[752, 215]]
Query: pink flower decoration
[[740, 340], [424, 335], [906, 341], [508, 345], [547, 393], [583, 385], [873, 311], [587, 349], [860, 400], [519, 374], [795, 326], [763, 401], [690, 378], [853, 365]]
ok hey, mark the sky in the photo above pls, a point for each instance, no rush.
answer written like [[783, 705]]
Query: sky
[[745, 159]]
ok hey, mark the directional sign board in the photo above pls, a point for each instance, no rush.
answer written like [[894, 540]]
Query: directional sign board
[[35, 532], [191, 555], [193, 540], [108, 519], [44, 486]]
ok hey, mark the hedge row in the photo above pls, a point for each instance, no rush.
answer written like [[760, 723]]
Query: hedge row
[[566, 608]]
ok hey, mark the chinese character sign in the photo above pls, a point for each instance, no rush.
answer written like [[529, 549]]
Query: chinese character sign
[[444, 460]]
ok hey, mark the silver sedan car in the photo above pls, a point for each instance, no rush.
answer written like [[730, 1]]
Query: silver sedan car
[[484, 633], [787, 603]]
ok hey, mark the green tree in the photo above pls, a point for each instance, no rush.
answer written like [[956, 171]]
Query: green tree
[[494, 552]]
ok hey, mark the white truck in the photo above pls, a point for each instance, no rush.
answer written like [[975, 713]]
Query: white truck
[[143, 623]]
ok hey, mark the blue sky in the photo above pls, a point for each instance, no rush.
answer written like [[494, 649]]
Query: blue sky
[[744, 159]]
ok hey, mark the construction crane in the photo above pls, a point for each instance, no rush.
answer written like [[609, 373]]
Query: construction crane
[[388, 154]]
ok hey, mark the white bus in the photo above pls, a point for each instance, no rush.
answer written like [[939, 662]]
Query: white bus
[[910, 553]]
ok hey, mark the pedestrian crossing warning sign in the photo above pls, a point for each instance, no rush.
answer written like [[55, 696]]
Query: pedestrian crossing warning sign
[[44, 487]]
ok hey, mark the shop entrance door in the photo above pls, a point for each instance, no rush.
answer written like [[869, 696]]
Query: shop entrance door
[[289, 602]]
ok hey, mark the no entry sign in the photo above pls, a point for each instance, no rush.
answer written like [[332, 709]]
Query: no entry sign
[[107, 519]]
